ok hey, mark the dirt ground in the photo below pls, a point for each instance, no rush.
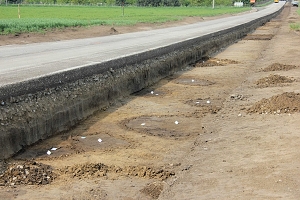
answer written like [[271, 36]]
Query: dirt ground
[[225, 128]]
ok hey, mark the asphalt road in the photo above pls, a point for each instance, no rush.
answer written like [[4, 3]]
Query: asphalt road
[[23, 62]]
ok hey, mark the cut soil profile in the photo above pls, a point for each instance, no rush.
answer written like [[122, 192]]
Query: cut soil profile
[[217, 137]]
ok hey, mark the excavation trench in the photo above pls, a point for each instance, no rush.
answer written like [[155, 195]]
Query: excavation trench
[[37, 109]]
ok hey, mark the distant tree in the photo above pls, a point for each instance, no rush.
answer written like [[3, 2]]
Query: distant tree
[[171, 3], [184, 2], [110, 2]]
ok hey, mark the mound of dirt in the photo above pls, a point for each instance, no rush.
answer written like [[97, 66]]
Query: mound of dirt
[[288, 102], [102, 170], [279, 67], [27, 173], [210, 62], [153, 189], [259, 37], [273, 80]]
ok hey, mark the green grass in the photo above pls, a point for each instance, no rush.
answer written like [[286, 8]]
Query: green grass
[[295, 26], [40, 18]]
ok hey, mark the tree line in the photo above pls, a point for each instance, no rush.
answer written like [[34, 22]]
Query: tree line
[[146, 3]]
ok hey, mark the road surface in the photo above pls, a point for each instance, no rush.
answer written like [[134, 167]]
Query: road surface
[[24, 62]]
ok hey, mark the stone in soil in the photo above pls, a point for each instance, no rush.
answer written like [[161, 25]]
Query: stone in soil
[[27, 173]]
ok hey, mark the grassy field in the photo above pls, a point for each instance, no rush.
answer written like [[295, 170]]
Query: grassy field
[[41, 18]]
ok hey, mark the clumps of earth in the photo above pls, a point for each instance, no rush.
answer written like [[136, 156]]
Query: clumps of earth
[[279, 67], [273, 80], [210, 62], [288, 102], [113, 30], [153, 189], [101, 170], [27, 173], [33, 173]]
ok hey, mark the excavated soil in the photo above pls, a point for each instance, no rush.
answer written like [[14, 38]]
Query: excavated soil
[[288, 102], [273, 80], [203, 133], [102, 170], [279, 67], [27, 173]]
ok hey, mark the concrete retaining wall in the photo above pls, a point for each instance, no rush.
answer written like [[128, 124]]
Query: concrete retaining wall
[[37, 109]]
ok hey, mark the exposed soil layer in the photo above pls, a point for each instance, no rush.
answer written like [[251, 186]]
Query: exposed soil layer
[[288, 102], [259, 37], [160, 126], [192, 81], [67, 145], [206, 105], [101, 170], [273, 80], [210, 62], [153, 189], [279, 67]]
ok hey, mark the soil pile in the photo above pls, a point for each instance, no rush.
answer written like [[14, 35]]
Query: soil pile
[[288, 102], [273, 80], [102, 170], [210, 62], [279, 67], [27, 173]]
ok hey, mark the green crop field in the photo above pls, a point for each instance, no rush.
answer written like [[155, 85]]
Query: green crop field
[[42, 18]]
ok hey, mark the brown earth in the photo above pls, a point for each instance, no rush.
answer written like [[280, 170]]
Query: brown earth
[[288, 102], [279, 67], [273, 80], [207, 132]]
